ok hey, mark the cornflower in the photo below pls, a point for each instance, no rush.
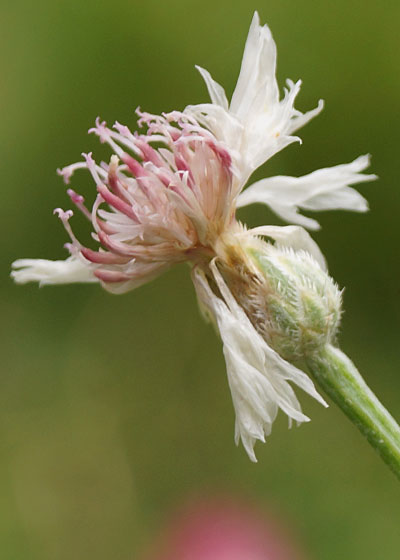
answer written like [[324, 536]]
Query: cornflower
[[169, 194]]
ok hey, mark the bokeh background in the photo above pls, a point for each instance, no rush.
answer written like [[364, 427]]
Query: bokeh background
[[114, 409]]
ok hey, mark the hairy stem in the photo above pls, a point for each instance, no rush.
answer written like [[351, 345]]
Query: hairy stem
[[339, 378]]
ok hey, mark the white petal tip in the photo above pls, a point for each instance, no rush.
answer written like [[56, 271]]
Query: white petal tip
[[18, 277], [320, 399], [255, 19], [250, 453], [362, 161], [44, 271], [362, 208]]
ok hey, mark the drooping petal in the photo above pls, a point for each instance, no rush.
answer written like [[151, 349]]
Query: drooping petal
[[257, 375], [280, 363], [71, 270], [324, 189]]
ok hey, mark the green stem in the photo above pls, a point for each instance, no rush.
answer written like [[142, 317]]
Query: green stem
[[339, 378]]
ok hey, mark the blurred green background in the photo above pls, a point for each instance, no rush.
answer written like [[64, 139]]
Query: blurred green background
[[113, 409]]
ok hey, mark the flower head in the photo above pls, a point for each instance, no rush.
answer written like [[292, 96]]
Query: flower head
[[170, 193]]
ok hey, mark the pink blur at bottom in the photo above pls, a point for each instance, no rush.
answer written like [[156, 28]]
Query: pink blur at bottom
[[223, 530]]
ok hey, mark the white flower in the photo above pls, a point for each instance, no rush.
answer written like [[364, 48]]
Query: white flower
[[170, 195]]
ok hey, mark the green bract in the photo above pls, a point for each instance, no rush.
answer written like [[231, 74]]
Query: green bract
[[301, 302]]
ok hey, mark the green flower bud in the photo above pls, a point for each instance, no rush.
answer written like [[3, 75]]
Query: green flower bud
[[301, 302], [291, 301]]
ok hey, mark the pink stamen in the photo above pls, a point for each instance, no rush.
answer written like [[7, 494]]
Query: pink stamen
[[134, 166], [103, 257], [64, 217], [148, 253], [75, 197], [93, 168], [105, 226], [112, 276], [78, 200], [117, 203], [100, 129], [105, 135], [114, 181], [222, 153], [123, 130], [67, 172], [163, 201], [141, 174], [149, 153]]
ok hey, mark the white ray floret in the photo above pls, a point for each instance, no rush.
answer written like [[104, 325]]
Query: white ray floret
[[325, 189], [258, 377], [70, 271], [257, 123]]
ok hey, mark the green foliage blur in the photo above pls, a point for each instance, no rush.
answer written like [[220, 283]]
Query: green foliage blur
[[114, 408]]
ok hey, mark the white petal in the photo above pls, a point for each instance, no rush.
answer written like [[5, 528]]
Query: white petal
[[264, 139], [295, 237], [256, 89], [344, 198], [301, 119], [257, 124], [69, 271], [324, 189], [257, 375], [225, 127], [217, 92]]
